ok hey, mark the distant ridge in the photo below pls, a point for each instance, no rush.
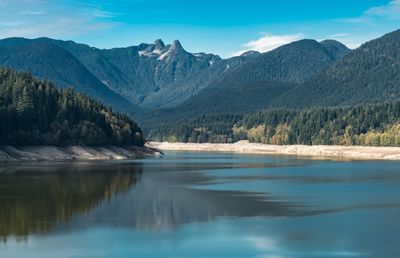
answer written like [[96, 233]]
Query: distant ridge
[[49, 61], [149, 75], [370, 73], [255, 84]]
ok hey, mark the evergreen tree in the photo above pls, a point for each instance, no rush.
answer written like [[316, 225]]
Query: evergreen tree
[[34, 112]]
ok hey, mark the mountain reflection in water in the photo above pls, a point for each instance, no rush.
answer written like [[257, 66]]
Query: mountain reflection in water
[[36, 198]]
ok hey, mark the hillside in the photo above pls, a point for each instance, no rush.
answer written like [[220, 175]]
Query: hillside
[[370, 73], [152, 75], [249, 97], [49, 61], [254, 85], [34, 112], [370, 125], [294, 62], [148, 75]]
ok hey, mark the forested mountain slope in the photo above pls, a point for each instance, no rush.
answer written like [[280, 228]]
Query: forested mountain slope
[[370, 73], [150, 75], [250, 97], [255, 84], [34, 112], [49, 61], [373, 125], [294, 62], [352, 101], [153, 75]]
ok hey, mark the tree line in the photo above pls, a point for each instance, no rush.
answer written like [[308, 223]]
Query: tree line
[[370, 124], [35, 112]]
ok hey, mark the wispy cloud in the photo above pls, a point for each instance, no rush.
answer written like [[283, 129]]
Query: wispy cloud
[[338, 35], [36, 18], [372, 23], [27, 12], [14, 24], [267, 43], [389, 11], [104, 14]]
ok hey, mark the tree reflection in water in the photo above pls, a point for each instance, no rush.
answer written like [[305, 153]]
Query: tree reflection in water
[[34, 203], [152, 195]]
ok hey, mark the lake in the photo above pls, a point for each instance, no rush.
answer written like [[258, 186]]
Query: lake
[[189, 204]]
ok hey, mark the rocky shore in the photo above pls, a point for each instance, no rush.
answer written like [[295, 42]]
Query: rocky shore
[[55, 153], [318, 152]]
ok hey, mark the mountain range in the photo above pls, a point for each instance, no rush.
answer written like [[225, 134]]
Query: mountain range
[[49, 61], [148, 75], [161, 82], [255, 84], [155, 76]]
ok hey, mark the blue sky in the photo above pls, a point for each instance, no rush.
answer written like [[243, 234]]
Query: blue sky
[[224, 27]]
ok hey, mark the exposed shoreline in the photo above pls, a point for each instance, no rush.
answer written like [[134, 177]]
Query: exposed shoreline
[[73, 153], [316, 152]]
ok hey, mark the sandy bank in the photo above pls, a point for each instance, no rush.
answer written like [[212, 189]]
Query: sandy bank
[[53, 153], [320, 152]]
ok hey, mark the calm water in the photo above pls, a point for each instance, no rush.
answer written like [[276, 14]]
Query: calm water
[[201, 205]]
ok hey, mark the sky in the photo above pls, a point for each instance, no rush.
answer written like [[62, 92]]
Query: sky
[[224, 27]]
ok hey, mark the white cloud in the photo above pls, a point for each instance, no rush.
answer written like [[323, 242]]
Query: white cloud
[[104, 14], [390, 11], [376, 14], [33, 13], [338, 35], [12, 23], [268, 43], [37, 18], [372, 23]]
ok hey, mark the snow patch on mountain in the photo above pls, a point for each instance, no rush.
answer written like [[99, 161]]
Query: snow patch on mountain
[[163, 56]]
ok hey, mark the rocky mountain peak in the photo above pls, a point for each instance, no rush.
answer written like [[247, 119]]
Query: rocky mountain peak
[[159, 43], [176, 45]]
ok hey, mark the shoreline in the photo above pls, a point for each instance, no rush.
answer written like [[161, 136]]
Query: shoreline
[[315, 152], [73, 153]]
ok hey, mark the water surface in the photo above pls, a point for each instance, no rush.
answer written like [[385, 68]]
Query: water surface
[[201, 205]]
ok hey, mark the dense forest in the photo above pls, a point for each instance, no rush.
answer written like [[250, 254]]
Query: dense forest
[[370, 73], [372, 125], [295, 62], [47, 60], [34, 112], [343, 104]]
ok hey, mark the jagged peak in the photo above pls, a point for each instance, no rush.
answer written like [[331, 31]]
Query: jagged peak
[[176, 45], [159, 43], [143, 46]]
